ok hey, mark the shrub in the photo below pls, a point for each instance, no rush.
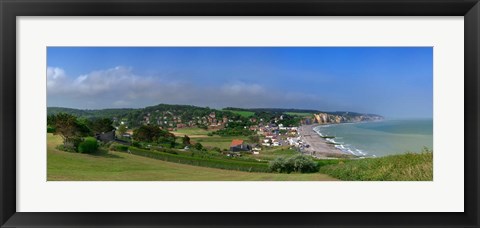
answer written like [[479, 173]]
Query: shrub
[[166, 150], [65, 148], [89, 145], [304, 164], [70, 145], [117, 147], [279, 165], [298, 163], [198, 146], [136, 144], [50, 129]]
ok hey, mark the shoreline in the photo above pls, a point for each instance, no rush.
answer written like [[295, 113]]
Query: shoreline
[[318, 146]]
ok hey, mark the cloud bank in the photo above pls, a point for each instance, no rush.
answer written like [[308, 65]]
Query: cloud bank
[[120, 87]]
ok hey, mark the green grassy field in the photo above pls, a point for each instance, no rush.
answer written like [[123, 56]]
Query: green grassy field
[[272, 153], [204, 159], [404, 167], [222, 142], [243, 113], [191, 131], [200, 135], [117, 166]]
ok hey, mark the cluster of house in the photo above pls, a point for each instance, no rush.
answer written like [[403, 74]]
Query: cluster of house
[[238, 145], [297, 142], [171, 122], [273, 135]]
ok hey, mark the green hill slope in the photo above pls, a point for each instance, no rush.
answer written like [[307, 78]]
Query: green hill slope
[[404, 167], [116, 166]]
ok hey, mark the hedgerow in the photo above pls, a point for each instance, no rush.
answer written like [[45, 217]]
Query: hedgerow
[[201, 161]]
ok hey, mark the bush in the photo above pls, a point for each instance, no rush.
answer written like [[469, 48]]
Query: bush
[[166, 150], [117, 147], [136, 144], [65, 148], [70, 145], [50, 129], [304, 164], [198, 146], [89, 145], [105, 144], [298, 163], [279, 165]]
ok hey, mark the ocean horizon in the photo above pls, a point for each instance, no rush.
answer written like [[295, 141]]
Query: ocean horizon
[[380, 138]]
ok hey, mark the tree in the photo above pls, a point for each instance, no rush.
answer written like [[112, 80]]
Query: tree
[[146, 133], [122, 129], [101, 125], [69, 129], [270, 141], [149, 133], [51, 120], [51, 123], [198, 146], [254, 138], [202, 126], [186, 140]]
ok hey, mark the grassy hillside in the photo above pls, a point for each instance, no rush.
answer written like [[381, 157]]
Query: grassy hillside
[[194, 131], [405, 167], [198, 135], [117, 166], [217, 141], [243, 113], [203, 159]]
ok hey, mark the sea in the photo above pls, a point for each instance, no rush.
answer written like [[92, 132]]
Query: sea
[[380, 138]]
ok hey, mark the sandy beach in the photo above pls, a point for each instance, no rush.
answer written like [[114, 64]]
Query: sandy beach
[[318, 147]]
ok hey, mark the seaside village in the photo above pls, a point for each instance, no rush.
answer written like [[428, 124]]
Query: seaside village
[[271, 134], [274, 135]]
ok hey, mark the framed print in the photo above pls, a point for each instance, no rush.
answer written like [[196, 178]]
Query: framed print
[[306, 113]]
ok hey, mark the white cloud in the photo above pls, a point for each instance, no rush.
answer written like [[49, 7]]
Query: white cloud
[[114, 81], [239, 88], [120, 87], [55, 76]]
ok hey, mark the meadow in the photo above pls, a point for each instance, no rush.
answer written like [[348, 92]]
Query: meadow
[[222, 142], [192, 132], [120, 166], [153, 165], [198, 135], [243, 113], [404, 167], [274, 152]]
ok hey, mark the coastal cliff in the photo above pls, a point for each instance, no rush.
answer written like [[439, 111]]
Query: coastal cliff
[[346, 117]]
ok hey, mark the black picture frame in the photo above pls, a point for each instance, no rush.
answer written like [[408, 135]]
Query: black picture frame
[[9, 10]]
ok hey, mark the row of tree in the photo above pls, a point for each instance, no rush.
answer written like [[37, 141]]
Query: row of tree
[[153, 134], [73, 130]]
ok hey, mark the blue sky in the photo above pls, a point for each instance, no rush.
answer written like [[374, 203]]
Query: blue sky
[[394, 82]]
